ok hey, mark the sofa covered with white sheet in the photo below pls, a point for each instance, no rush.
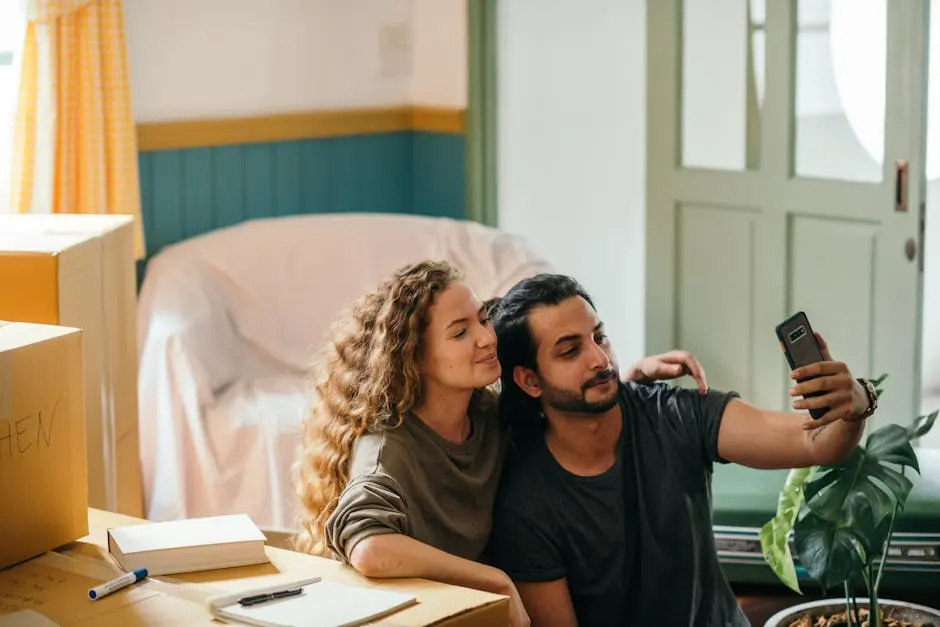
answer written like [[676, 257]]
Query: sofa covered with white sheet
[[229, 323]]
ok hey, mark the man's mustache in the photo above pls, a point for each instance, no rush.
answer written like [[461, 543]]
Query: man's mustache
[[601, 377]]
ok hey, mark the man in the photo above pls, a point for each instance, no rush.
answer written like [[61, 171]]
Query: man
[[604, 513]]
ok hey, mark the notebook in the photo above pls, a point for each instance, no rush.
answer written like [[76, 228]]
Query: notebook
[[320, 604], [181, 546]]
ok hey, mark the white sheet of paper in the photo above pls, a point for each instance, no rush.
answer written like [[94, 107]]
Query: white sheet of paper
[[26, 618], [324, 604]]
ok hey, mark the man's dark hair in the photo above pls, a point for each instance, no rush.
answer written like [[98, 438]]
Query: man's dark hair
[[516, 346]]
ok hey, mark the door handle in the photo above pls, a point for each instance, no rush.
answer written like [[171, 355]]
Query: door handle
[[900, 186]]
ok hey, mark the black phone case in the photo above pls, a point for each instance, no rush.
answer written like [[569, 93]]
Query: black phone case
[[799, 344]]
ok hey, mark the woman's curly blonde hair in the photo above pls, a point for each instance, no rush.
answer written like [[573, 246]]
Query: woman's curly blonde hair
[[368, 379]]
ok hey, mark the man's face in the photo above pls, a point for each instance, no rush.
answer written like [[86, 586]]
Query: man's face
[[577, 369]]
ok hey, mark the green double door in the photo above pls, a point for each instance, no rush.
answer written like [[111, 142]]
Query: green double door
[[786, 150]]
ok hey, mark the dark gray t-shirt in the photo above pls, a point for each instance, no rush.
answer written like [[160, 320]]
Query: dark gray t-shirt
[[634, 543]]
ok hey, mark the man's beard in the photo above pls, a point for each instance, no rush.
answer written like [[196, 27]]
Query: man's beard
[[576, 402]]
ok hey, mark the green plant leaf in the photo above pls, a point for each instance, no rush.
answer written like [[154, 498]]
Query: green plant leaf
[[830, 553], [922, 425], [861, 481], [877, 384], [865, 479], [879, 536], [775, 534], [842, 516], [892, 444]]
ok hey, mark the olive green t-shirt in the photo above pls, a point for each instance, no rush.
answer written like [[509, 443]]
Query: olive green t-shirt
[[410, 480]]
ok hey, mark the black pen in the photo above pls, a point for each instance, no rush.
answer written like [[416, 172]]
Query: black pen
[[262, 598]]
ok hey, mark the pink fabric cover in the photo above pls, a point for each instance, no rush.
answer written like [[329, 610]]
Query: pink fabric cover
[[228, 323]]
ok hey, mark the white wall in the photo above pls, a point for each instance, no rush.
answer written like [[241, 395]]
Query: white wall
[[572, 146], [440, 53], [222, 58]]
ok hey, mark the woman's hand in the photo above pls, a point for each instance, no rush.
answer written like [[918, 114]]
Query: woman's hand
[[671, 365]]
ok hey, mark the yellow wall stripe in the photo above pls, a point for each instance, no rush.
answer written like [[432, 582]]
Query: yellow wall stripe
[[288, 126], [437, 120]]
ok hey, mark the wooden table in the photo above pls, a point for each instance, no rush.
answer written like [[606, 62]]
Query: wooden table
[[178, 600], [56, 585]]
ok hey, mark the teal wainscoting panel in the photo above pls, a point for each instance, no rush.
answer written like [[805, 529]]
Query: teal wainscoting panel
[[439, 174], [188, 192]]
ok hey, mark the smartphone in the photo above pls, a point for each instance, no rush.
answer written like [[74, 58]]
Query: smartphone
[[799, 344]]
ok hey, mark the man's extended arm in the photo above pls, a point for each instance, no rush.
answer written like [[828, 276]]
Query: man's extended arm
[[767, 439]]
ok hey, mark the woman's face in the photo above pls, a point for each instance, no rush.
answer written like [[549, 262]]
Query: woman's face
[[459, 344]]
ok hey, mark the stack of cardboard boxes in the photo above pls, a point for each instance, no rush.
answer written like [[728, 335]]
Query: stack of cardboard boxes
[[68, 377]]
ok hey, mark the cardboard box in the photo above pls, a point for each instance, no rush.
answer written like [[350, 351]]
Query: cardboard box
[[80, 271], [42, 440]]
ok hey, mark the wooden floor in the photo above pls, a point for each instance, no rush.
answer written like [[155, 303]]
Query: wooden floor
[[762, 602]]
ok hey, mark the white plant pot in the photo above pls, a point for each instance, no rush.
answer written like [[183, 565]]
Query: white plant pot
[[899, 609]]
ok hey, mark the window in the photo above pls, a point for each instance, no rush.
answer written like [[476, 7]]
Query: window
[[12, 25]]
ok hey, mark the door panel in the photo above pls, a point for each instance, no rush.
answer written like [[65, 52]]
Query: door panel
[[831, 264], [707, 326], [779, 210]]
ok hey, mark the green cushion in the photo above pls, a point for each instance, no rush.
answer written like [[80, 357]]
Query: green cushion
[[744, 497]]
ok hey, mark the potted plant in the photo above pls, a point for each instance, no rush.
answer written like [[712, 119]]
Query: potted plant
[[841, 519]]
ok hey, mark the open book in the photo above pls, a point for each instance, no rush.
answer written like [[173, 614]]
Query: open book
[[318, 604], [180, 546]]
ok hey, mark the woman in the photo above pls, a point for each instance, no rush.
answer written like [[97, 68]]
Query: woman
[[402, 453]]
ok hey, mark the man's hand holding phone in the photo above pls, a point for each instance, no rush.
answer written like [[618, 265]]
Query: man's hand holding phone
[[837, 389]]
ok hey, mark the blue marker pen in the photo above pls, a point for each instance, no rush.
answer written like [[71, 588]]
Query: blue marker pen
[[116, 584]]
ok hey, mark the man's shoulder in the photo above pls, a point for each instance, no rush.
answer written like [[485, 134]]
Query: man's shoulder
[[652, 392], [665, 398], [526, 510], [631, 390], [526, 457], [654, 400], [525, 474]]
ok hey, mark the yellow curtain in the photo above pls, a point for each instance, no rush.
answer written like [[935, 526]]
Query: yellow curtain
[[75, 147]]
